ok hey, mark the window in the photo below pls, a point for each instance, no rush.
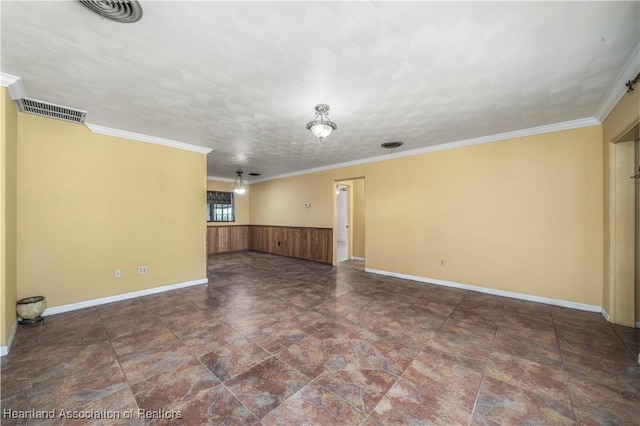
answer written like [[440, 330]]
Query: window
[[220, 207]]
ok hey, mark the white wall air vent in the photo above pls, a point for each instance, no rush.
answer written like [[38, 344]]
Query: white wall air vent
[[46, 109]]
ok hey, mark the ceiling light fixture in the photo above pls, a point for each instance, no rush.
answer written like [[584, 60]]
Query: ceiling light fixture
[[321, 127], [239, 187]]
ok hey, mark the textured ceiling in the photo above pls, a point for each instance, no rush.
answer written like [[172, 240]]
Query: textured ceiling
[[243, 77]]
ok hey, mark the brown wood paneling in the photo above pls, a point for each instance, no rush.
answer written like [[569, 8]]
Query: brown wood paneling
[[303, 243], [222, 239]]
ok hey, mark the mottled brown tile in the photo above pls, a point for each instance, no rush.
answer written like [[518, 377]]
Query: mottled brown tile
[[416, 317], [80, 336], [192, 391], [54, 362], [26, 340], [78, 389], [526, 349], [127, 324], [404, 405], [313, 405], [307, 356], [408, 335], [278, 336], [311, 321], [535, 336], [451, 380], [144, 355], [581, 363], [354, 300], [448, 296], [234, 358], [209, 337], [354, 348], [460, 347], [266, 386], [508, 405], [113, 408], [434, 307], [544, 379], [12, 407], [362, 389], [596, 404]]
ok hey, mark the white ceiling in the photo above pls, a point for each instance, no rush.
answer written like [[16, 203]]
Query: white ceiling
[[243, 77]]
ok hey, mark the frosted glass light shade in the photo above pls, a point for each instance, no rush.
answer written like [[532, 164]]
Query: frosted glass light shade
[[321, 130]]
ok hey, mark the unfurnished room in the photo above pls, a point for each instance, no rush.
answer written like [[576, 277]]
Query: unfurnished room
[[319, 212]]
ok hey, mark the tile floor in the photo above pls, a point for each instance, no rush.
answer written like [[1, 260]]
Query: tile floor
[[273, 340]]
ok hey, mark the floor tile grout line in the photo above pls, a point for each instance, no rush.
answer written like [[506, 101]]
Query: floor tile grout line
[[484, 374], [564, 368], [115, 353]]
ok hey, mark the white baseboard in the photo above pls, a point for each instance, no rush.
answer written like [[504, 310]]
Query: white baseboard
[[513, 295], [605, 314], [4, 350], [118, 297], [357, 258]]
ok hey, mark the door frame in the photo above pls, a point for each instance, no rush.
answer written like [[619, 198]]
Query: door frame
[[621, 239]]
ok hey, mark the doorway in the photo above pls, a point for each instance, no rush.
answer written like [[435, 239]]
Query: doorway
[[342, 222], [624, 288], [348, 236]]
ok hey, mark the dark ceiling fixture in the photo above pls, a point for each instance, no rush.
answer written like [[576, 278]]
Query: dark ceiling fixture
[[632, 83], [392, 145], [255, 174], [124, 11]]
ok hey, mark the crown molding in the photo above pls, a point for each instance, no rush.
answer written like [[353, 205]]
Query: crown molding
[[618, 89], [13, 85], [146, 138], [532, 131], [222, 179], [7, 79]]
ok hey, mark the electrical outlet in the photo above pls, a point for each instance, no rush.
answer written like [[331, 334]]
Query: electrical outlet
[[441, 262], [142, 270], [118, 273]]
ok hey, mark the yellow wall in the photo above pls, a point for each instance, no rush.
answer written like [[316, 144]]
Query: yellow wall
[[358, 218], [620, 120], [241, 202], [89, 203], [8, 216], [523, 215]]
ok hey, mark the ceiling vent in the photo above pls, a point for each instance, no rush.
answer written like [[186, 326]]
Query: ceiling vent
[[46, 109], [124, 11]]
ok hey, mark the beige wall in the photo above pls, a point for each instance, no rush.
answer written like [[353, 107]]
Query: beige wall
[[8, 216], [89, 203], [624, 116], [522, 215], [241, 202]]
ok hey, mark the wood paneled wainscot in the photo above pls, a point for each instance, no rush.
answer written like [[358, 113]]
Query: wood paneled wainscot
[[222, 239], [303, 243]]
